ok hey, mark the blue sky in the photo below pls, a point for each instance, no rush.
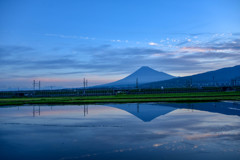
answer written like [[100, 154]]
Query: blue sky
[[61, 41]]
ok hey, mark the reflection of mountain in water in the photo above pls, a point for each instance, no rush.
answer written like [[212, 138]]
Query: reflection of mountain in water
[[230, 108], [148, 112], [145, 112]]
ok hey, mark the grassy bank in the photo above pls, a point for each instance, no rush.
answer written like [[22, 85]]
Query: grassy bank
[[168, 97]]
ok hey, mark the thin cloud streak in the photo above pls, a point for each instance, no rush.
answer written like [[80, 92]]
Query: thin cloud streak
[[68, 36]]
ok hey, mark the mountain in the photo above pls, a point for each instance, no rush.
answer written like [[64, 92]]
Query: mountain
[[220, 77], [143, 75]]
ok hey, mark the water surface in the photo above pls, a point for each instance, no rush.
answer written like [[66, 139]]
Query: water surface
[[121, 131]]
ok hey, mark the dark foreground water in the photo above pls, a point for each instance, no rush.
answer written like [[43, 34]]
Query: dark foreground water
[[121, 131]]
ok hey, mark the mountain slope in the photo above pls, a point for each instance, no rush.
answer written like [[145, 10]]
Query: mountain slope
[[219, 77], [143, 75]]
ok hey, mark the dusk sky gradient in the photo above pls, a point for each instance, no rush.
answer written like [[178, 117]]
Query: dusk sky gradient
[[62, 41]]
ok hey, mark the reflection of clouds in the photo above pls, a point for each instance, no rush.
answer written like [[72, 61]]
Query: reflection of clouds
[[200, 136], [157, 144], [194, 120], [66, 110], [198, 127]]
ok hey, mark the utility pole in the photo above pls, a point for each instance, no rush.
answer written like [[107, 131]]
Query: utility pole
[[213, 81], [34, 84], [84, 83], [137, 83], [191, 83], [234, 82]]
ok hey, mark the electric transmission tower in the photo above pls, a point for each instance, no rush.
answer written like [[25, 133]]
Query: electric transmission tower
[[36, 85], [85, 83]]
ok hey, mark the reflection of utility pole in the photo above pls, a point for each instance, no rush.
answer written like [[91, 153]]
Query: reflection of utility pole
[[85, 110], [36, 111]]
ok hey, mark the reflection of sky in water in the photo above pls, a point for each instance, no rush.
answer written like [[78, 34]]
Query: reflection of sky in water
[[121, 131]]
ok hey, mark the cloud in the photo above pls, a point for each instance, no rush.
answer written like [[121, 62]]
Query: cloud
[[111, 61], [68, 36], [156, 55], [231, 46], [236, 34], [106, 59], [183, 43], [193, 49], [152, 44], [119, 41], [6, 51], [116, 40]]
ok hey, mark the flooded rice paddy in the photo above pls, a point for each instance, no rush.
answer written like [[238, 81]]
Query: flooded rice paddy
[[121, 131]]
